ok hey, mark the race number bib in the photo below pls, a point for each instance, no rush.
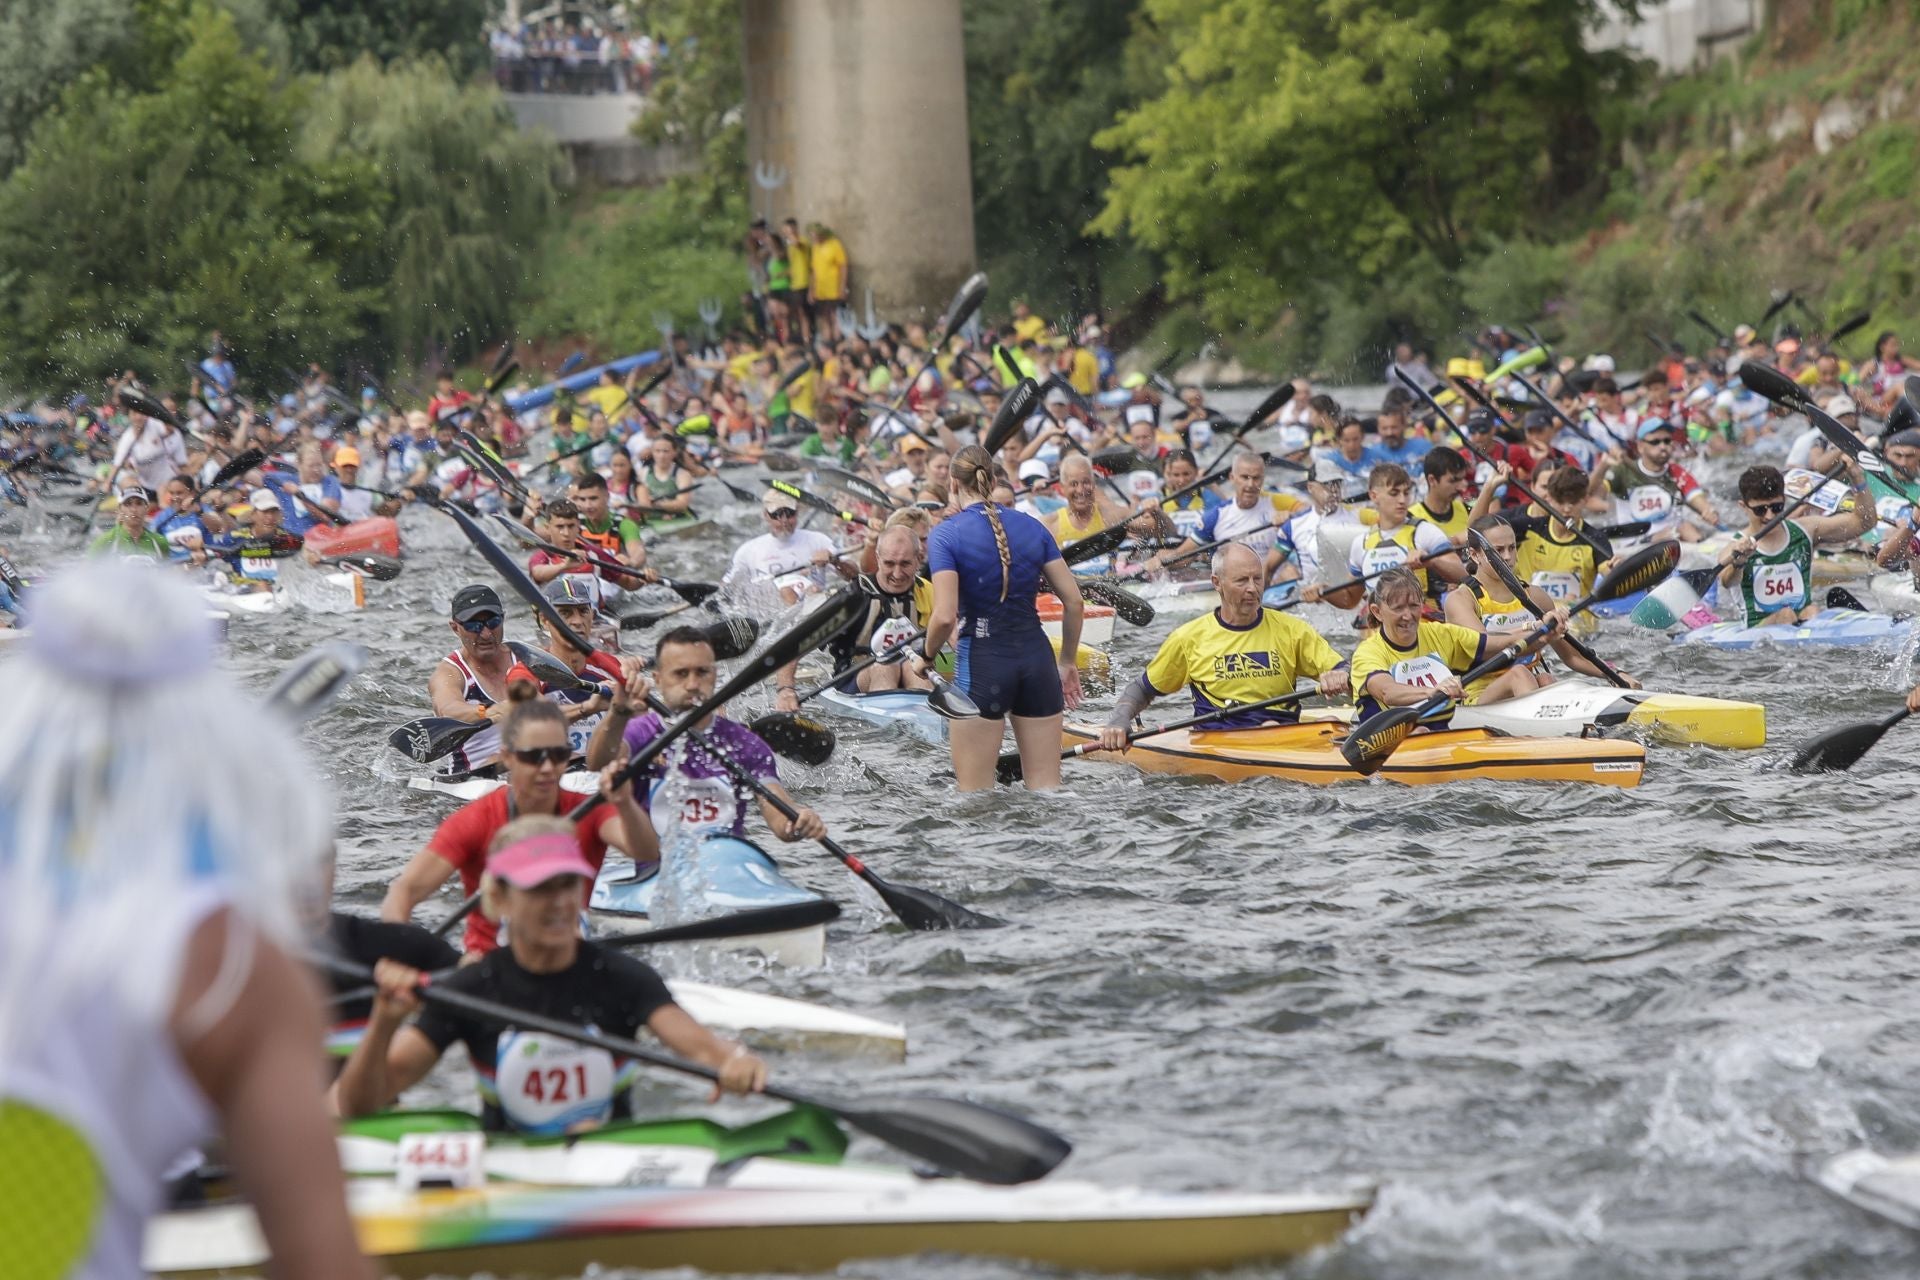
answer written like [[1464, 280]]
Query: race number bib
[[1891, 507], [1186, 523], [1143, 485], [550, 1086], [891, 636], [1425, 671], [1561, 587], [1649, 502], [1382, 555], [705, 806], [800, 582], [1827, 497], [1778, 586]]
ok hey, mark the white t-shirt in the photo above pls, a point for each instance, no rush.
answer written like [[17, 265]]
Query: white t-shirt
[[1428, 539], [1305, 528], [156, 452], [770, 559]]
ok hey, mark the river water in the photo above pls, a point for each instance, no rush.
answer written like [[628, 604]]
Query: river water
[[1572, 1031]]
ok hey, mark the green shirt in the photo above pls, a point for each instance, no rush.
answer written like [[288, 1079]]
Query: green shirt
[[115, 541], [814, 447]]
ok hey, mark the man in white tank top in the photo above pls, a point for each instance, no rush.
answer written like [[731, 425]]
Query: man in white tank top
[[471, 682]]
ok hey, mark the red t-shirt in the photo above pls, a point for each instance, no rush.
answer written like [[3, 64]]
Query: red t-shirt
[[599, 660], [463, 839]]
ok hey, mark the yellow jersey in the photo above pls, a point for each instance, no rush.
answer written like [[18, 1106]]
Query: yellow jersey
[[1563, 568], [1086, 372], [829, 266], [1495, 615], [1225, 665], [799, 258], [1030, 329], [1453, 523], [1439, 649]]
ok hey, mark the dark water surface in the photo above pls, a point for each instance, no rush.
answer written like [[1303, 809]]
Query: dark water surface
[[1573, 1031]]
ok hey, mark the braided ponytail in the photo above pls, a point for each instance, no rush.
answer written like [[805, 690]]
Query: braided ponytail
[[972, 471]]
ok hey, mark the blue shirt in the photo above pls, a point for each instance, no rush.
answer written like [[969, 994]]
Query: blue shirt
[[295, 515], [176, 527], [964, 544], [1411, 450]]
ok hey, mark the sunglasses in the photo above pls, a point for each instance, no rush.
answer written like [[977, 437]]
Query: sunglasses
[[474, 626], [1766, 508], [538, 756], [1660, 440], [778, 512]]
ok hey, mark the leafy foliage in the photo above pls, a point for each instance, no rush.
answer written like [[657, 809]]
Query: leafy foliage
[[328, 34]]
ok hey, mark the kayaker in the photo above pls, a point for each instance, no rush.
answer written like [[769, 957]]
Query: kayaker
[[1405, 659], [1324, 514], [616, 537], [1238, 653], [1557, 553], [663, 479], [562, 526], [254, 550], [1088, 511], [572, 598], [537, 883], [1180, 470], [148, 907], [180, 521], [1442, 506], [535, 751], [1254, 517], [706, 801], [130, 537], [471, 682], [1483, 603], [1396, 539], [793, 559], [1772, 579], [988, 562], [1651, 486], [899, 601]]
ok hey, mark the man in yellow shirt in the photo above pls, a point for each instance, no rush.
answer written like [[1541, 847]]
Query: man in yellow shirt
[[1239, 653], [1027, 326], [799, 276], [828, 289]]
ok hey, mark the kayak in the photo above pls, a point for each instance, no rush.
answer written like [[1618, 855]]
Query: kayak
[[1835, 627], [581, 381], [1887, 1187], [380, 534], [1311, 753], [674, 526], [1177, 599], [731, 875], [1096, 621], [319, 592], [693, 1194], [902, 708], [1580, 706], [464, 787]]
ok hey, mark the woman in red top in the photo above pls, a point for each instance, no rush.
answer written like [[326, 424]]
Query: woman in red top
[[535, 749]]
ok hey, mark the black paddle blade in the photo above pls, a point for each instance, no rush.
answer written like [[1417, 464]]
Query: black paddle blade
[[509, 569], [739, 494], [923, 910], [1130, 607], [732, 636], [1007, 769], [792, 376], [1014, 410], [237, 466], [1274, 402], [691, 592], [1648, 567], [315, 679], [966, 1138], [1765, 380], [740, 924], [640, 620], [140, 402], [795, 736], [777, 460], [431, 737], [1007, 361], [950, 702], [966, 301], [546, 668], [381, 568], [1117, 458], [499, 379], [1840, 749], [860, 486], [1368, 747], [1094, 545], [1856, 321], [1841, 598]]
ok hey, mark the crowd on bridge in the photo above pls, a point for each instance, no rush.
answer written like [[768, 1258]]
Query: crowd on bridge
[[580, 56]]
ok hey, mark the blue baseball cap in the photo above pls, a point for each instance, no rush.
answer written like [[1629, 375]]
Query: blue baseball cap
[[1652, 425]]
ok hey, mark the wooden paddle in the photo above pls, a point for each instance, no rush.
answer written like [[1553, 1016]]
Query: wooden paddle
[[1511, 581], [1007, 768], [1370, 744], [919, 909], [961, 1137], [1840, 749], [834, 614]]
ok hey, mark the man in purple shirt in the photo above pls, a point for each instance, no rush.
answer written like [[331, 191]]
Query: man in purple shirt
[[703, 797]]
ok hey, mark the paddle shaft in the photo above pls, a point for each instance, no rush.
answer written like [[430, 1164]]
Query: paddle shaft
[[894, 652], [1298, 695], [1519, 589]]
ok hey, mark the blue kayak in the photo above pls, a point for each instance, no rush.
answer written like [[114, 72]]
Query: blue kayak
[[902, 708], [576, 383], [1836, 627], [737, 875], [1282, 595]]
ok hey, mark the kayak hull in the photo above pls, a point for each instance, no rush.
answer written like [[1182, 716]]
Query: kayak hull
[[380, 534], [1096, 621], [1887, 1187], [1578, 707], [1310, 753], [321, 593], [1829, 627], [733, 875], [895, 708]]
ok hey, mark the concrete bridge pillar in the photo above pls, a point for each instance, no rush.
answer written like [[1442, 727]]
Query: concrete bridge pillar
[[857, 118]]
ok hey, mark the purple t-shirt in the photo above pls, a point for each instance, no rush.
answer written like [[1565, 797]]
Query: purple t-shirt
[[707, 788]]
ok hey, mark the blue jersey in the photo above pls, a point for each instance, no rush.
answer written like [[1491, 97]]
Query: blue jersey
[[1411, 450], [964, 544], [179, 528], [295, 515]]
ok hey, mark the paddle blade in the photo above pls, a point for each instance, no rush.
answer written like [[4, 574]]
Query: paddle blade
[[1014, 410], [795, 736], [966, 301], [1007, 769], [237, 466], [859, 486], [1839, 749], [1641, 571], [546, 668], [314, 680], [740, 924], [691, 592], [1668, 604], [1765, 380], [499, 379], [140, 402], [732, 636], [1094, 545], [792, 376], [1368, 747], [966, 1138], [777, 460], [1130, 607], [641, 619], [1274, 402], [950, 702], [1117, 458], [431, 737], [1856, 321], [381, 568]]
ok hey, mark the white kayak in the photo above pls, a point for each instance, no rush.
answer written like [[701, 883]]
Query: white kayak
[[320, 592], [466, 787], [796, 1025], [894, 708], [1888, 1187], [1580, 707]]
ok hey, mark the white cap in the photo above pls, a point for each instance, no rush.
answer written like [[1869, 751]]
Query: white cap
[[1034, 469], [263, 500], [1600, 364], [1327, 471], [1840, 404], [1139, 413]]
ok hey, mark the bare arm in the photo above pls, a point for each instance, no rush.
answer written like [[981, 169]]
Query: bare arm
[[946, 610], [1072, 608], [444, 687], [419, 880]]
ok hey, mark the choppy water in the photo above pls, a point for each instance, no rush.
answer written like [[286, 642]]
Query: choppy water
[[1573, 1031]]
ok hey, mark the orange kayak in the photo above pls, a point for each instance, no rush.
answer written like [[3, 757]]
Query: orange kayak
[[1311, 753], [1096, 620], [379, 534]]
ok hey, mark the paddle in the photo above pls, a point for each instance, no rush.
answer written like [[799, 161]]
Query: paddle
[[331, 517], [739, 924], [1008, 770], [817, 503], [1713, 330], [515, 577], [945, 700], [813, 630], [379, 567], [1857, 321], [1126, 605], [1780, 303], [1014, 410], [1274, 402], [1565, 417], [1512, 582], [691, 592], [1839, 749], [1135, 570], [428, 738], [965, 301], [1767, 381], [916, 908], [965, 1138], [1373, 741], [860, 487], [312, 681]]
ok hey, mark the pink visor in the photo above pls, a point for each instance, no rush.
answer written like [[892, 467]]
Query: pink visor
[[530, 863]]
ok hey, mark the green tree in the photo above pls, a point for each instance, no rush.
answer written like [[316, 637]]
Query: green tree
[[136, 222], [470, 196], [1296, 147], [327, 34], [44, 46], [1043, 77]]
